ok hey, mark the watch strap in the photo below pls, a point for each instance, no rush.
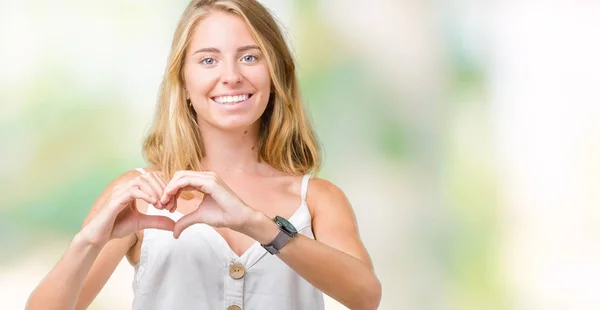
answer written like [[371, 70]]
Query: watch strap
[[280, 240]]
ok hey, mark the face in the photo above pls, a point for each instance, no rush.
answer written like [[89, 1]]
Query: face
[[226, 74]]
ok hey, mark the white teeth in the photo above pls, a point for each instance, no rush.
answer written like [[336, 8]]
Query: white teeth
[[231, 99]]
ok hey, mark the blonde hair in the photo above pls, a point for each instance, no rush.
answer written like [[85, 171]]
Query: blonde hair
[[286, 139]]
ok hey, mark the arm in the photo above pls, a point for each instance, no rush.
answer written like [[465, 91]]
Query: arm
[[107, 234], [61, 288], [105, 264], [351, 279]]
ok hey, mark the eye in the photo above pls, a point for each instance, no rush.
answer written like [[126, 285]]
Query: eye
[[208, 61], [249, 58]]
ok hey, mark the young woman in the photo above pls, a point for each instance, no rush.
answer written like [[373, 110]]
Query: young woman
[[227, 215]]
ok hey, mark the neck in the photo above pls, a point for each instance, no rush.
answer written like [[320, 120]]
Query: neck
[[228, 152]]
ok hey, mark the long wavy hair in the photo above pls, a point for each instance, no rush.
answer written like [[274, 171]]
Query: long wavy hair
[[286, 139]]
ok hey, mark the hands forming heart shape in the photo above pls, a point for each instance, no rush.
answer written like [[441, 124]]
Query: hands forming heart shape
[[119, 217]]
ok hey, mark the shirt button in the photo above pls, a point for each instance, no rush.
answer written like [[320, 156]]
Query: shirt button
[[234, 307], [237, 271]]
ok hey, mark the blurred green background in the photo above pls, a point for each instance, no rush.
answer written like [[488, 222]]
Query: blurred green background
[[465, 134]]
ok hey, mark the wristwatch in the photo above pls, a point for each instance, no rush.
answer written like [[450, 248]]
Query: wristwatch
[[286, 232]]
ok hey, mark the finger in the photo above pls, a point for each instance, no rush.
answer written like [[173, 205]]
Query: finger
[[137, 193], [186, 174], [155, 221], [171, 206], [178, 190], [166, 198], [143, 184], [160, 180], [157, 188], [173, 202], [175, 192], [181, 183], [189, 180], [183, 223], [153, 179], [199, 181]]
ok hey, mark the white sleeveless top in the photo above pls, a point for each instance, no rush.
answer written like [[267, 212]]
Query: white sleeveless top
[[200, 271]]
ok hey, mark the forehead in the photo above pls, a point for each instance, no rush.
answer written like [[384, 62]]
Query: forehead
[[221, 30]]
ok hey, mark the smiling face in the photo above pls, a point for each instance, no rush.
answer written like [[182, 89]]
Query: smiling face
[[226, 74]]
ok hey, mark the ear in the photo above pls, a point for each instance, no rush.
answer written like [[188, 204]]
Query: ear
[[187, 98]]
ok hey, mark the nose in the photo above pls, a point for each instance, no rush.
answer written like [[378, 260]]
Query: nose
[[231, 75]]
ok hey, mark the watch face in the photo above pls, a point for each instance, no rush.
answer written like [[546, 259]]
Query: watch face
[[285, 224]]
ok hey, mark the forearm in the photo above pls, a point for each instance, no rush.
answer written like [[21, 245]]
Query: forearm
[[337, 274], [61, 287]]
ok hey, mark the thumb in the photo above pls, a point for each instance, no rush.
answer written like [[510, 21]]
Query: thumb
[[155, 221], [183, 223]]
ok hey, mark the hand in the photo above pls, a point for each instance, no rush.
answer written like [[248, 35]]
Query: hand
[[220, 207], [118, 217]]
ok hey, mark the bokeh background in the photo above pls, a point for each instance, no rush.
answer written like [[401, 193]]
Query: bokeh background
[[465, 133]]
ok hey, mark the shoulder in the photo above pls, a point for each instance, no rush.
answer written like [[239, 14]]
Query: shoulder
[[333, 219], [130, 175], [124, 178], [323, 189], [323, 196]]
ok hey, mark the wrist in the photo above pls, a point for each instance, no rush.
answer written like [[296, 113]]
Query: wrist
[[260, 228], [82, 242]]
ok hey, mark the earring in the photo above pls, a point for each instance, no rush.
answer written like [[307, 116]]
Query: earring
[[189, 102]]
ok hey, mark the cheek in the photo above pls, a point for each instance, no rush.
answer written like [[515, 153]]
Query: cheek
[[266, 79], [198, 81], [260, 78]]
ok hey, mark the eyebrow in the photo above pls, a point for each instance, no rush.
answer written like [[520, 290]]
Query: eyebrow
[[216, 50]]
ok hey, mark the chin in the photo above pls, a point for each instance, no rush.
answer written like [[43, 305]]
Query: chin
[[234, 123]]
